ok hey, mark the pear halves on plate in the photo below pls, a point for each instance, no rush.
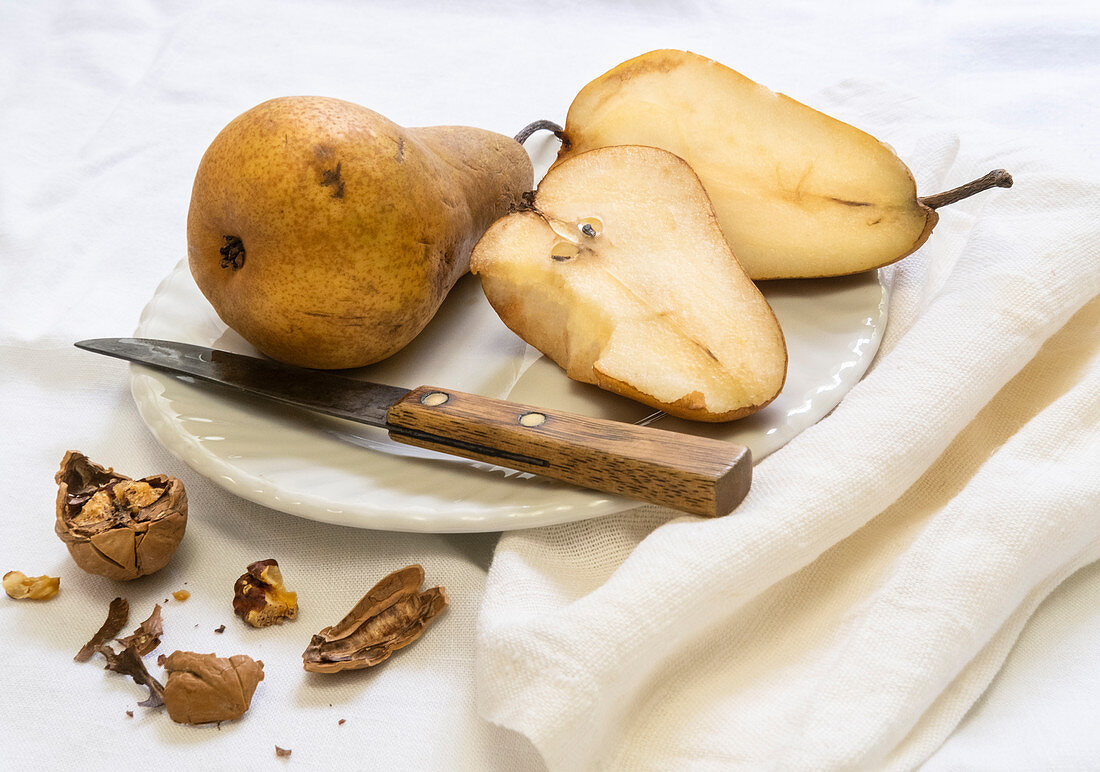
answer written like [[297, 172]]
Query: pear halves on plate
[[618, 271]]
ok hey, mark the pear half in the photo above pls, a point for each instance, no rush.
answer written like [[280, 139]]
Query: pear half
[[798, 194], [617, 270]]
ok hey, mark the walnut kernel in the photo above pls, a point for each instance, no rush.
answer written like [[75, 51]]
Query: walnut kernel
[[22, 587], [261, 598], [97, 509], [135, 494]]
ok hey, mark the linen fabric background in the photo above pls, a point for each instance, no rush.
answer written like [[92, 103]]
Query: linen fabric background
[[910, 581]]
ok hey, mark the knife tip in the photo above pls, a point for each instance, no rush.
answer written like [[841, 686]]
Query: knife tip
[[103, 344], [109, 346]]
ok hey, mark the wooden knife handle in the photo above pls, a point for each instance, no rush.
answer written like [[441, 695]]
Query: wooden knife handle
[[693, 474]]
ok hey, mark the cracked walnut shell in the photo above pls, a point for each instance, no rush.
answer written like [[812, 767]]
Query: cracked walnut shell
[[392, 614], [260, 598], [115, 526], [206, 688]]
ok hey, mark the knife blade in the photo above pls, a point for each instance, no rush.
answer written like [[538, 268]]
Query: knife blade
[[693, 474]]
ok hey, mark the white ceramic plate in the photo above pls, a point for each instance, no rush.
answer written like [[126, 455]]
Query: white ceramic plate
[[342, 472]]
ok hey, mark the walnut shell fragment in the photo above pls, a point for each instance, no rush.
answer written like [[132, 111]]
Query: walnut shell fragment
[[393, 614], [261, 598], [146, 637], [22, 587], [206, 688], [128, 662], [115, 526], [117, 615]]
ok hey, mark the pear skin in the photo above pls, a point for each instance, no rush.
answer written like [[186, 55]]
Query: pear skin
[[327, 235]]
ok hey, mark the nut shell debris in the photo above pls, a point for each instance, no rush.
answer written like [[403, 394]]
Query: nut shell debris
[[128, 662], [261, 598], [393, 614], [115, 526], [146, 637], [206, 688], [22, 587], [117, 615]]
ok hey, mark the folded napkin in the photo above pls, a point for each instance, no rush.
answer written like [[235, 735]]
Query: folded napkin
[[859, 601]]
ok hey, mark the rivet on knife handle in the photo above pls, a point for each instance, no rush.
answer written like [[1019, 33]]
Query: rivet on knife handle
[[693, 474]]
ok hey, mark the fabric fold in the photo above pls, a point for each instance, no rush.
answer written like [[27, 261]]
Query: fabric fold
[[588, 629]]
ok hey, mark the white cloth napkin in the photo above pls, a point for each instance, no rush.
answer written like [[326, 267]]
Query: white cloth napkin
[[859, 601]]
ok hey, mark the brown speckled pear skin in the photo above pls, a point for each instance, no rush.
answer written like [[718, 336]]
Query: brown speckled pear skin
[[327, 235]]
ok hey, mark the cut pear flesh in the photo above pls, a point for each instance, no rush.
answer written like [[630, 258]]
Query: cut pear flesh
[[619, 273], [797, 193]]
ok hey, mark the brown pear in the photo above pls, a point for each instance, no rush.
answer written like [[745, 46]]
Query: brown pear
[[327, 235]]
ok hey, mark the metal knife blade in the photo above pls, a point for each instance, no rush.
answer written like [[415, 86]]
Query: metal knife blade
[[322, 392]]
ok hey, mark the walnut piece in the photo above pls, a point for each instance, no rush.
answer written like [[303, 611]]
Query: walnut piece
[[261, 598], [128, 662], [393, 614], [22, 587], [114, 526], [146, 637], [205, 688], [96, 510], [117, 614]]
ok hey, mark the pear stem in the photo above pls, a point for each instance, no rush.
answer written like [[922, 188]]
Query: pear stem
[[544, 125], [998, 178]]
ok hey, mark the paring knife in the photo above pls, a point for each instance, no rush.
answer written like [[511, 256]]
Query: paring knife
[[692, 474]]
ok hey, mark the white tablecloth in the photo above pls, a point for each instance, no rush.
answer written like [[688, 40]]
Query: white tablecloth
[[105, 112]]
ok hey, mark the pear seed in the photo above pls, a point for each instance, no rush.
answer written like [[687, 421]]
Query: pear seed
[[564, 250], [591, 227]]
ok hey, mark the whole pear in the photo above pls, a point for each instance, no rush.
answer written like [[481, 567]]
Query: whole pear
[[327, 235]]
